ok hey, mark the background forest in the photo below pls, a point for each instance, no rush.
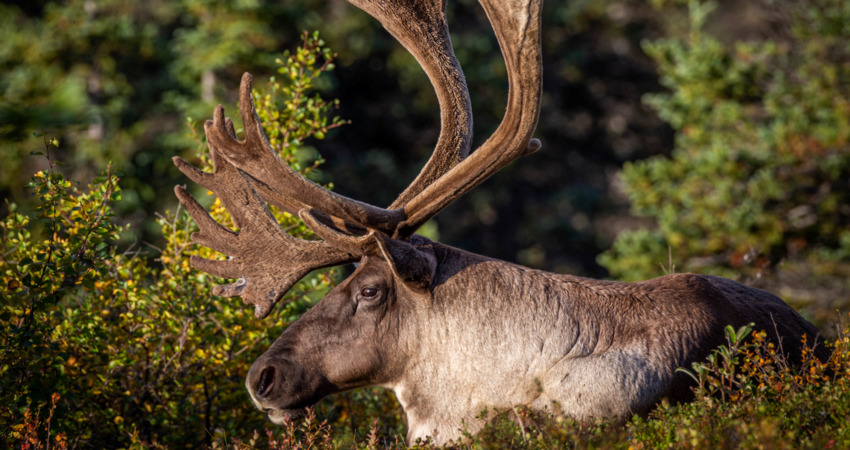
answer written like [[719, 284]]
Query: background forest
[[677, 135]]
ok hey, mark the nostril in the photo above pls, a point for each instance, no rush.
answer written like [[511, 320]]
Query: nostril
[[266, 381]]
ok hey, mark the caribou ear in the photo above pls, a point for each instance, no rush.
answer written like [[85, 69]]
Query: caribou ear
[[414, 262]]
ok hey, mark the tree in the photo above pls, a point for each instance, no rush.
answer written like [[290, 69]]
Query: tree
[[757, 185]]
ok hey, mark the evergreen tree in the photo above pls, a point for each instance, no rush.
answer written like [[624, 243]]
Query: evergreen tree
[[758, 185]]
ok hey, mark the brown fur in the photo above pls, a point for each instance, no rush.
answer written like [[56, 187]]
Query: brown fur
[[450, 332], [486, 334]]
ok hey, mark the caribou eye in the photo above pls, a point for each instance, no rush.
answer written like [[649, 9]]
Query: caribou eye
[[369, 293]]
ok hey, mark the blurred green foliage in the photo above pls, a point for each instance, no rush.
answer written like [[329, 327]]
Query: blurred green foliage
[[758, 183], [114, 81]]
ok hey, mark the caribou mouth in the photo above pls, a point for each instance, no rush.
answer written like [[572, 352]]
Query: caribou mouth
[[278, 416]]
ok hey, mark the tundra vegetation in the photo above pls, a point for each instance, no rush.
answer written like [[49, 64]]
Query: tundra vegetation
[[115, 346]]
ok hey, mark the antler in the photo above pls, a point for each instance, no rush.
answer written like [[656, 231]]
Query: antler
[[268, 260], [517, 27], [265, 258], [278, 183], [420, 26]]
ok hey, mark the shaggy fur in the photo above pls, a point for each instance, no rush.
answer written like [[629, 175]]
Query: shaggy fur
[[488, 335]]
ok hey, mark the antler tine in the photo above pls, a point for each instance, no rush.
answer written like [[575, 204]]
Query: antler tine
[[420, 26], [517, 27], [360, 244], [266, 260], [210, 180], [278, 183]]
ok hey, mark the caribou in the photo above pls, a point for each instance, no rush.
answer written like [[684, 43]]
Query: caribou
[[450, 332]]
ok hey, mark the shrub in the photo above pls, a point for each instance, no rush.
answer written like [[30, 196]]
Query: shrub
[[749, 396], [126, 347]]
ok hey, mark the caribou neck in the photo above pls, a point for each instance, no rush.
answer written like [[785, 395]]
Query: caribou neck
[[532, 320]]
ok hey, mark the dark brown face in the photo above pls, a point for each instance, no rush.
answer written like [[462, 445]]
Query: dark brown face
[[349, 339]]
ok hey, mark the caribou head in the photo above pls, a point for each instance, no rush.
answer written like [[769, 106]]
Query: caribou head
[[450, 332]]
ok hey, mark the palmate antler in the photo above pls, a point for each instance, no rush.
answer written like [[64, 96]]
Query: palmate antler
[[268, 261], [265, 258]]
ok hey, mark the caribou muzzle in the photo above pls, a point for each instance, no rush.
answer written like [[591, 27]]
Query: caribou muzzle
[[281, 387]]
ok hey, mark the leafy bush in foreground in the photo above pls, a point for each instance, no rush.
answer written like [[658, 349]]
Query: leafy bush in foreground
[[121, 348]]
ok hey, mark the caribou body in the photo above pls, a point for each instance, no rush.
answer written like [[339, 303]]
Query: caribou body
[[452, 333], [471, 334]]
